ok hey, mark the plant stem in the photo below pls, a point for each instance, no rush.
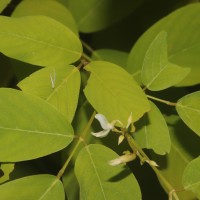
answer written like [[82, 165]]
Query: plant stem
[[86, 57], [161, 100], [134, 146], [76, 146], [90, 49]]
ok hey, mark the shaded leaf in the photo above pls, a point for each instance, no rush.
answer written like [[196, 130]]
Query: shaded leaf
[[114, 93], [3, 4], [6, 169], [172, 165], [30, 127], [96, 15], [46, 42], [111, 55], [153, 132], [157, 73], [72, 190], [191, 177], [96, 176], [41, 187], [188, 108], [183, 49], [58, 85], [50, 8]]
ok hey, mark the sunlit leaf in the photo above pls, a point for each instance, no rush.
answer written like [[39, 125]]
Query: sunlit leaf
[[183, 49], [46, 42], [30, 127], [58, 85], [172, 165], [50, 8], [111, 55], [40, 187], [96, 176], [191, 177], [6, 169], [96, 15], [157, 73], [188, 108], [153, 132], [113, 92], [3, 4]]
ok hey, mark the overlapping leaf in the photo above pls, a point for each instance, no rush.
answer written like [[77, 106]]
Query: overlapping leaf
[[6, 169], [48, 8], [113, 92], [111, 55], [96, 176], [172, 165], [46, 42], [183, 49], [96, 15], [41, 187], [153, 132], [3, 4], [157, 73], [58, 85], [188, 108], [191, 177], [30, 127]]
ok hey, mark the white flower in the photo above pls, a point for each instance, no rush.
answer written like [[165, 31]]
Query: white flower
[[122, 159], [107, 127]]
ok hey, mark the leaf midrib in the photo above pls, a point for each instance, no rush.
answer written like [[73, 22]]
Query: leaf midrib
[[40, 42], [35, 132]]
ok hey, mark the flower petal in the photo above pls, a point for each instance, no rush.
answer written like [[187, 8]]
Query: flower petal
[[130, 119], [104, 122], [101, 134]]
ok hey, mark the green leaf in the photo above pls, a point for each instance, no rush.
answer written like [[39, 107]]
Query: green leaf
[[153, 132], [188, 108], [191, 177], [72, 190], [50, 8], [58, 85], [30, 127], [157, 73], [95, 15], [97, 177], [3, 4], [172, 165], [6, 168], [183, 49], [46, 42], [111, 55], [41, 187], [114, 93]]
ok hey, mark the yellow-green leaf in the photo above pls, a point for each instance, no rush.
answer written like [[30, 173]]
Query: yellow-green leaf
[[58, 85], [191, 177], [50, 8], [37, 187], [114, 93], [157, 72], [46, 42], [188, 108], [30, 127], [97, 178]]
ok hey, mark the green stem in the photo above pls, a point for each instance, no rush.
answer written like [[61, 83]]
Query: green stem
[[90, 49], [76, 146], [162, 101], [134, 146], [86, 57]]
